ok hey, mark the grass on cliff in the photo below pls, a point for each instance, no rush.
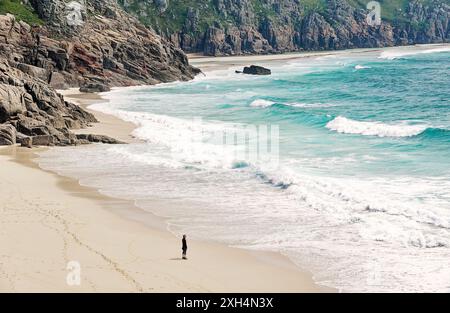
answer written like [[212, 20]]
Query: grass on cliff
[[173, 18], [20, 11], [392, 10], [318, 6]]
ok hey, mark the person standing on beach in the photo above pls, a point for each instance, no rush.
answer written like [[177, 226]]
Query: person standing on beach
[[184, 247]]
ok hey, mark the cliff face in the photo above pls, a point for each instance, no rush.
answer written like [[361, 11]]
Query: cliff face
[[30, 111], [102, 46], [224, 27], [425, 23], [94, 46]]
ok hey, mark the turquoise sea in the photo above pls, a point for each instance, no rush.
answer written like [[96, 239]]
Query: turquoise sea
[[357, 189]]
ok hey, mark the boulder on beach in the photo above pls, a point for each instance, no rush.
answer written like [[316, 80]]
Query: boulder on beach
[[87, 138], [256, 70], [26, 142], [94, 87]]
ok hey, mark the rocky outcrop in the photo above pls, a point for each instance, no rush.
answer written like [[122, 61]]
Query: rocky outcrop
[[256, 70], [93, 46], [103, 45], [88, 138], [228, 27], [33, 113], [7, 135], [94, 87]]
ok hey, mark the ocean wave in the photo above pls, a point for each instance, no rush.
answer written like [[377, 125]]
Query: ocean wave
[[396, 54], [440, 134], [190, 141], [261, 103], [348, 126], [361, 67], [371, 201]]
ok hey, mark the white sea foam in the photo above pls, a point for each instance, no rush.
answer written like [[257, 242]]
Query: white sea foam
[[348, 126], [361, 67], [194, 142], [261, 103], [396, 54], [161, 158]]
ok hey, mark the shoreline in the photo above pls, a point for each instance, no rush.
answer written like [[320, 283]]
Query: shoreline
[[213, 267], [107, 124], [211, 63]]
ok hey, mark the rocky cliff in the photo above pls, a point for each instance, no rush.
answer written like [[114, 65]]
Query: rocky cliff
[[31, 112], [93, 44], [226, 27]]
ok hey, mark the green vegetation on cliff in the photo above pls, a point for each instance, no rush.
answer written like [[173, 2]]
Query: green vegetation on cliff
[[169, 16], [392, 10], [21, 11], [172, 19]]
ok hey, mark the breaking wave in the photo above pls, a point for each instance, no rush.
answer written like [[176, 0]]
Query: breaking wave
[[348, 126], [261, 103]]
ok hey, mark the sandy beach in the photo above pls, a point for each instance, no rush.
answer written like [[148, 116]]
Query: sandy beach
[[49, 220]]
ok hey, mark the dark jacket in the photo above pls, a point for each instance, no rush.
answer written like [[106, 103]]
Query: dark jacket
[[184, 244]]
